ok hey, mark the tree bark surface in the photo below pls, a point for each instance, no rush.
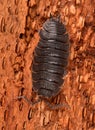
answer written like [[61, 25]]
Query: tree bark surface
[[16, 54]]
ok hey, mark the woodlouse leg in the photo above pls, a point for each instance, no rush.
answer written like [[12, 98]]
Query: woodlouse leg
[[27, 100], [57, 106]]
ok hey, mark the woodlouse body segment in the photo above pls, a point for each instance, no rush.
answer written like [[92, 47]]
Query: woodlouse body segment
[[50, 58]]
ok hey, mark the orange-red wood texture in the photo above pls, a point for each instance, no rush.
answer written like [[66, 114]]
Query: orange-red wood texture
[[27, 16]]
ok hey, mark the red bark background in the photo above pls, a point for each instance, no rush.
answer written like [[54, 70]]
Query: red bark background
[[27, 16]]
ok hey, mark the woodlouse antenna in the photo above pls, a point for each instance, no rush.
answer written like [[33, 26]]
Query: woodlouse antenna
[[27, 100], [57, 106]]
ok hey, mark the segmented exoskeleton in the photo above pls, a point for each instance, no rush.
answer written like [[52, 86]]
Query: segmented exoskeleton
[[50, 58]]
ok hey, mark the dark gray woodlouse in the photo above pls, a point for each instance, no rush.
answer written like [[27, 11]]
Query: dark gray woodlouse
[[50, 61]]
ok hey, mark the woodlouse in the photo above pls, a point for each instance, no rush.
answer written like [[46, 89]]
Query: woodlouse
[[50, 61]]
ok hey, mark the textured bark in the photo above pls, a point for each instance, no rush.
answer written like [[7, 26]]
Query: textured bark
[[20, 16]]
